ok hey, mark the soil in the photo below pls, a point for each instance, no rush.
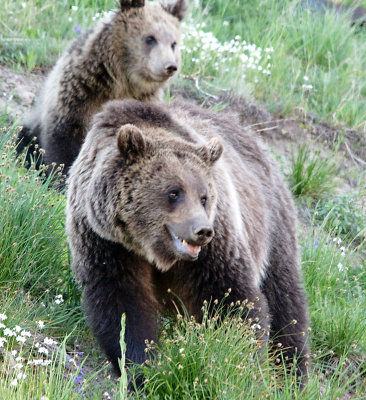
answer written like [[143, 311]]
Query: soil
[[18, 92]]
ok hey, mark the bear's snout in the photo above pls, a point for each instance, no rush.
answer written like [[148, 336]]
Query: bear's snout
[[189, 235], [202, 232], [170, 68], [197, 231]]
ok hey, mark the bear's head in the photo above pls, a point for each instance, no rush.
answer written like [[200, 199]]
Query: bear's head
[[151, 41], [156, 197]]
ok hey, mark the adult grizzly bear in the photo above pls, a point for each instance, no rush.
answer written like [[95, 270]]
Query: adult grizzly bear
[[130, 54], [152, 205]]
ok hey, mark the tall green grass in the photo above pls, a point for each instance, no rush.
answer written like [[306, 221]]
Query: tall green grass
[[34, 33], [318, 63], [220, 359], [33, 251], [311, 175]]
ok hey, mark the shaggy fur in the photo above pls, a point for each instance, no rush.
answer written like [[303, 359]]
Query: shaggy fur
[[144, 172], [130, 54]]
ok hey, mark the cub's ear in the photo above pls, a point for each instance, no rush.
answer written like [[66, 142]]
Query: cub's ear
[[127, 4], [131, 143], [178, 8], [211, 152]]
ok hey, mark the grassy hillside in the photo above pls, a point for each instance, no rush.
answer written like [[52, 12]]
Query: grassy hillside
[[277, 53]]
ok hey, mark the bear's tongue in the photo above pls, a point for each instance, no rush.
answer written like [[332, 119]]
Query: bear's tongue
[[192, 250]]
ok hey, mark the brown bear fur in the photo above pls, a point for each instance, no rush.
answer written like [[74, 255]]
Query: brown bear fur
[[129, 54], [144, 169]]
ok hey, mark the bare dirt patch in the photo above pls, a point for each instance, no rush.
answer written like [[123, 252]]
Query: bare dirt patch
[[18, 91]]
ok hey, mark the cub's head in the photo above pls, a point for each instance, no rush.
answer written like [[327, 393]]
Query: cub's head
[[159, 200], [151, 41]]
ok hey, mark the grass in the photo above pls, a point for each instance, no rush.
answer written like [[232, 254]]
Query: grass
[[333, 67], [191, 367], [311, 175], [317, 64]]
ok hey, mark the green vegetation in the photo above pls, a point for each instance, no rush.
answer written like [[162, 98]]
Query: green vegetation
[[318, 65], [343, 215], [317, 62], [310, 174]]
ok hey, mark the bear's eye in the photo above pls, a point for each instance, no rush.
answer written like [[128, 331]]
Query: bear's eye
[[150, 40], [203, 200], [173, 195], [174, 44]]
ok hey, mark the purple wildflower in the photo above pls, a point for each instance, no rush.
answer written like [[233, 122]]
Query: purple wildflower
[[78, 29]]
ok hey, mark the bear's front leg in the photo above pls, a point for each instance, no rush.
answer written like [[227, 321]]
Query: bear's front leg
[[118, 289], [62, 141]]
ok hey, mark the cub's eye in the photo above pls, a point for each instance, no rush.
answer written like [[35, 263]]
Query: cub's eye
[[174, 45], [203, 200], [173, 195], [150, 40]]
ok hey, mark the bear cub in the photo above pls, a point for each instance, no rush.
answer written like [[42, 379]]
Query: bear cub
[[179, 198], [132, 53]]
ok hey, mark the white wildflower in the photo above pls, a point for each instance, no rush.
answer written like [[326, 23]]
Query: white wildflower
[[2, 341], [14, 382], [181, 350], [21, 375], [21, 339], [74, 8], [40, 324], [43, 350], [340, 267], [9, 332], [3, 317], [2, 326], [17, 328], [306, 78], [59, 299], [25, 333], [49, 341]]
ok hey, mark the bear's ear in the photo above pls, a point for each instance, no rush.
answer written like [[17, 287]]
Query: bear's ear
[[127, 4], [211, 152], [131, 143], [178, 8]]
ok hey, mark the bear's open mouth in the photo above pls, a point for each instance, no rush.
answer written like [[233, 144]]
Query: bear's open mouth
[[184, 247]]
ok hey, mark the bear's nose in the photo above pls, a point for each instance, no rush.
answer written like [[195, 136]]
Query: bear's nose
[[203, 232], [170, 68]]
